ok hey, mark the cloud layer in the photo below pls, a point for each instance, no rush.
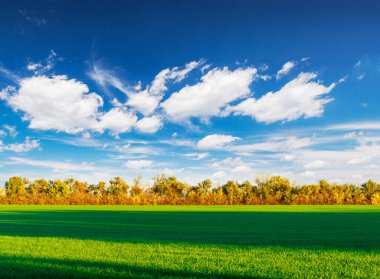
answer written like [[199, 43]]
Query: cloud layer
[[56, 102]]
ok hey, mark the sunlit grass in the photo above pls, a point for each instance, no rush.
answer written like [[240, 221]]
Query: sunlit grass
[[190, 242]]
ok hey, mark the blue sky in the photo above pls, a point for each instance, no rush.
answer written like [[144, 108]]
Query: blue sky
[[196, 89]]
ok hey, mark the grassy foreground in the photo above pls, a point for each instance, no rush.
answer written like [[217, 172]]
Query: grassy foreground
[[190, 241]]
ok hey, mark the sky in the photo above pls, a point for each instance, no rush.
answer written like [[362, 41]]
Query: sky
[[195, 89]]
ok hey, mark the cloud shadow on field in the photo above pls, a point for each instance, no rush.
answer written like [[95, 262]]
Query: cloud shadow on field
[[32, 267], [346, 230]]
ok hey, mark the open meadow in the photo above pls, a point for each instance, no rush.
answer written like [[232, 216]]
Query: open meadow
[[190, 241]]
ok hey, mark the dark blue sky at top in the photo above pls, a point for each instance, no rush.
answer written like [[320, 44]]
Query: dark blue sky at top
[[146, 36]]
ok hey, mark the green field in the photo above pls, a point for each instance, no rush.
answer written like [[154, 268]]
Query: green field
[[190, 241]]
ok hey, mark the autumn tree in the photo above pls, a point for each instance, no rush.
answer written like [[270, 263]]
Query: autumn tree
[[170, 190], [16, 186], [170, 187], [371, 190]]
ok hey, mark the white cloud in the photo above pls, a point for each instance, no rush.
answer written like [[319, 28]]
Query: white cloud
[[43, 66], [288, 157], [205, 68], [56, 165], [62, 104], [219, 176], [228, 163], [132, 149], [274, 145], [308, 174], [178, 142], [343, 79], [300, 97], [360, 77], [317, 164], [353, 135], [9, 74], [358, 161], [366, 125], [56, 103], [138, 164], [26, 146], [149, 125], [171, 171], [209, 97], [105, 77], [117, 120], [286, 68], [33, 66], [144, 102], [216, 141], [233, 168], [147, 100], [242, 169], [9, 130], [198, 156]]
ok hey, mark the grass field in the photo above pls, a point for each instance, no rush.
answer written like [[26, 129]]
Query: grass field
[[190, 241]]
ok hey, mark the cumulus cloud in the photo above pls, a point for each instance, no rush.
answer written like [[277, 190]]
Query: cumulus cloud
[[141, 100], [147, 100], [286, 68], [138, 164], [62, 104], [67, 105], [149, 125], [56, 103], [216, 141], [117, 120], [301, 97], [211, 95]]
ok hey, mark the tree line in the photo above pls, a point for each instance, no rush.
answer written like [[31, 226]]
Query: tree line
[[169, 190]]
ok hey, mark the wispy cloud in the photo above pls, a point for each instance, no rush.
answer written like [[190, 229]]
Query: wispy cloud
[[56, 165], [25, 146], [285, 69], [9, 74], [31, 17]]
